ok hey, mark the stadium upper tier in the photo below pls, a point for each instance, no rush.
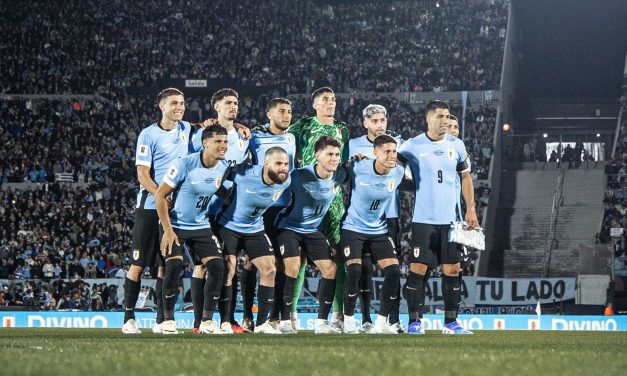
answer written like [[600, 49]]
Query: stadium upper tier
[[291, 45]]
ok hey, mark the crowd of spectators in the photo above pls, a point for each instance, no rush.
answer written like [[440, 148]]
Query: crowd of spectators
[[47, 295], [615, 201], [292, 45]]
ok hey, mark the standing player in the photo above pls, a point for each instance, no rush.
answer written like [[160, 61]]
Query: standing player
[[435, 158], [375, 122], [313, 189], [255, 189], [158, 146], [307, 131], [192, 181], [226, 103], [274, 133], [365, 233]]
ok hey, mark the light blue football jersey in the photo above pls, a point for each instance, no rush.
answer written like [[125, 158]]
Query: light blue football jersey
[[362, 145], [311, 198], [371, 194], [433, 165], [261, 141], [236, 153], [194, 185], [159, 149], [250, 198]]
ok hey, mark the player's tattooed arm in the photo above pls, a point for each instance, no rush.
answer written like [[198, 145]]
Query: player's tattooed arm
[[241, 128]]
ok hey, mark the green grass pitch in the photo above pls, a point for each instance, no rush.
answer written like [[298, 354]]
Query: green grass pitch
[[107, 351]]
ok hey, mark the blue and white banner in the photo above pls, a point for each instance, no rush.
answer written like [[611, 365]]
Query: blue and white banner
[[185, 320]]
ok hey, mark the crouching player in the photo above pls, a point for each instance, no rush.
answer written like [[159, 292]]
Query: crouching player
[[313, 189], [192, 181], [365, 232]]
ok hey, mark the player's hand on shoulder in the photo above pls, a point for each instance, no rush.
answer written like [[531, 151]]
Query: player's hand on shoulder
[[242, 130], [209, 122], [359, 157]]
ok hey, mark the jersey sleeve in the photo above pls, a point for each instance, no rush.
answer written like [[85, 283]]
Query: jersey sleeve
[[404, 153], [345, 143], [143, 151], [176, 174], [463, 160]]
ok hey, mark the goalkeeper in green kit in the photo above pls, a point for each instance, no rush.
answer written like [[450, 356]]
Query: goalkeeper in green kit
[[307, 131]]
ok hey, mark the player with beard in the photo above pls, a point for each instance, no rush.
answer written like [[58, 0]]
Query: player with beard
[[376, 122], [435, 159], [307, 131], [255, 189], [274, 133]]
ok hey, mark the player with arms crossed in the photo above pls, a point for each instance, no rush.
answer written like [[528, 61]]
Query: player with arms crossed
[[192, 181], [435, 158], [313, 189], [307, 131], [255, 189], [158, 146], [365, 232]]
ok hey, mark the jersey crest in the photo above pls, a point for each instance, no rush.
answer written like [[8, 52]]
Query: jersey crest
[[218, 182], [391, 185], [276, 195]]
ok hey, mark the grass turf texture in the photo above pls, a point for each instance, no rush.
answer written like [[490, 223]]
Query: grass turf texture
[[108, 351]]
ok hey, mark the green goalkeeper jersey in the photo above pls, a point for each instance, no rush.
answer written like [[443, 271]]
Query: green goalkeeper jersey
[[308, 130]]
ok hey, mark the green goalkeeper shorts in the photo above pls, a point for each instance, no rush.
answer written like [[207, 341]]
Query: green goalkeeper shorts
[[331, 223]]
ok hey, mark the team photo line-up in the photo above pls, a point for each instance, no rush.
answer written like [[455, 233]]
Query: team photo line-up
[[288, 193]]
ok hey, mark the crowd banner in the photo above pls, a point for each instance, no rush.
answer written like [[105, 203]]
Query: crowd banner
[[185, 320]]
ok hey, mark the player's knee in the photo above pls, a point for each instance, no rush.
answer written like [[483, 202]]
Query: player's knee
[[173, 269], [215, 267], [267, 270], [392, 272], [161, 272], [135, 272], [230, 268], [292, 269], [353, 272], [199, 271], [451, 270], [328, 270], [418, 268]]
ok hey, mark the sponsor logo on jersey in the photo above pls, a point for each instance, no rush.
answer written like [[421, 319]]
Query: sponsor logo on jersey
[[416, 252], [438, 153]]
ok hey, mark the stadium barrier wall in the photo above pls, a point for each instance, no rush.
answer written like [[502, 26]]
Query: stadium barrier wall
[[185, 320]]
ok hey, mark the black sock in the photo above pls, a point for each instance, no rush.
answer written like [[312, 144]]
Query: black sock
[[326, 292], [395, 307], [414, 294], [451, 292], [288, 292], [159, 299], [173, 269], [131, 293], [391, 279], [366, 286], [197, 287], [279, 282], [224, 305], [351, 288], [248, 283], [265, 299], [231, 316], [215, 276]]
